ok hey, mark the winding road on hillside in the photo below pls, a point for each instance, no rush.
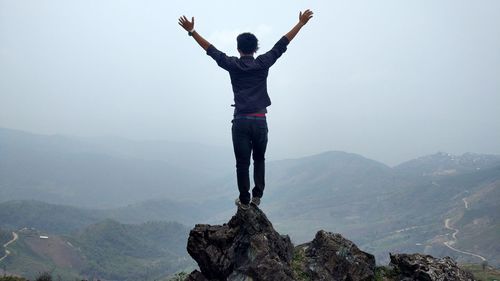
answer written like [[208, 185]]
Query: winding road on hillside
[[7, 252], [454, 239], [466, 203]]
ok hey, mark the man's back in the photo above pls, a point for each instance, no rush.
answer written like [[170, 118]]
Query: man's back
[[249, 76]]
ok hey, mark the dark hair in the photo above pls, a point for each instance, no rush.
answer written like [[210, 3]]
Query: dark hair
[[247, 43]]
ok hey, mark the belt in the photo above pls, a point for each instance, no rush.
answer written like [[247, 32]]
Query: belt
[[250, 117]]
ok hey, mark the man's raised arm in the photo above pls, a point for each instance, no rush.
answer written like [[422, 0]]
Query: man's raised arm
[[303, 19], [189, 27]]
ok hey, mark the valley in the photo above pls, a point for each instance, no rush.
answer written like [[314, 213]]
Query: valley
[[439, 204], [107, 250]]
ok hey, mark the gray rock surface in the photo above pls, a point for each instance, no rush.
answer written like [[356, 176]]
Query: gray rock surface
[[332, 257], [246, 248], [427, 268]]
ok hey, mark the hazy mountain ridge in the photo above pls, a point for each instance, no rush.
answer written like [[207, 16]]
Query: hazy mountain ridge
[[381, 220], [196, 157], [442, 164], [386, 209], [56, 219], [174, 153], [88, 173], [398, 209], [423, 210], [335, 168], [64, 219]]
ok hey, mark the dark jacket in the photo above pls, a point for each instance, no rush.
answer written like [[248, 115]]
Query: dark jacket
[[249, 76]]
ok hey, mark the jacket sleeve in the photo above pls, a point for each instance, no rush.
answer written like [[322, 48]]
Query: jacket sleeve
[[269, 58], [221, 58]]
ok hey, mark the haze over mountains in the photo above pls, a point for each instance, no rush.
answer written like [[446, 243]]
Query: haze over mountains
[[381, 208], [104, 172]]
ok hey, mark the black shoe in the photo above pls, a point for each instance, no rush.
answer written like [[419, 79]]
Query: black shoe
[[255, 201], [240, 205]]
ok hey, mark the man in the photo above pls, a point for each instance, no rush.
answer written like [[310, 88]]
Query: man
[[249, 82]]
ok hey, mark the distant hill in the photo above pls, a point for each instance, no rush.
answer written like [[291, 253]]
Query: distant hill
[[133, 252], [382, 208], [186, 212], [386, 209], [55, 219], [103, 172], [322, 176], [107, 250], [63, 219], [444, 164], [479, 221]]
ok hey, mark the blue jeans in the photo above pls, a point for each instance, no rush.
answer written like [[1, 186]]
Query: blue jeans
[[249, 138]]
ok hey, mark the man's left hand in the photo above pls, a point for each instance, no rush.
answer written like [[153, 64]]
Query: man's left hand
[[186, 24]]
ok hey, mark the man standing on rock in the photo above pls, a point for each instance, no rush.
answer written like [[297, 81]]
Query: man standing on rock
[[249, 82]]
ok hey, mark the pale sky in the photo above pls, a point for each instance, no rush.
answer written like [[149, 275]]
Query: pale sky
[[390, 80]]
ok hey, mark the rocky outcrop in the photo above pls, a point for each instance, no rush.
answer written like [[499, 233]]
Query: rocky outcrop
[[427, 268], [248, 248], [196, 276], [332, 257]]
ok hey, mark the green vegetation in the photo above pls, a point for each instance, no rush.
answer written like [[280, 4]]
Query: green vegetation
[[483, 272], [12, 278], [180, 276], [381, 209], [133, 252], [384, 273], [298, 265], [45, 276], [27, 263], [56, 219], [475, 237], [107, 250], [379, 273]]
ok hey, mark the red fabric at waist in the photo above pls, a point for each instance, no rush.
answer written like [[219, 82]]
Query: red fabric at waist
[[254, 114]]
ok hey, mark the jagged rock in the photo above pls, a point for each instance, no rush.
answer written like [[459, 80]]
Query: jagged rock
[[246, 248], [427, 268], [196, 276], [332, 257]]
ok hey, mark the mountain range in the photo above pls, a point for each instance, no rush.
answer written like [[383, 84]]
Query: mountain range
[[440, 204], [103, 172]]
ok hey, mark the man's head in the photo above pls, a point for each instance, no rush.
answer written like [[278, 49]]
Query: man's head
[[247, 43]]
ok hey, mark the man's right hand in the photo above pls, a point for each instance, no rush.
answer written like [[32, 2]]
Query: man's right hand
[[305, 17]]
